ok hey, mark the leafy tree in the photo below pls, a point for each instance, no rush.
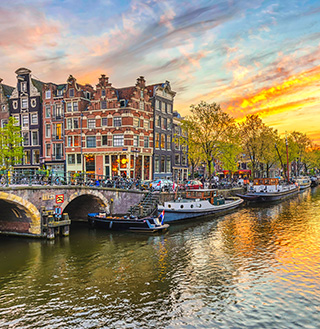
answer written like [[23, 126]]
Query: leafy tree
[[11, 149], [211, 130]]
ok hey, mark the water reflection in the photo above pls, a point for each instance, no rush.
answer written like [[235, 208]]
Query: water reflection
[[255, 267]]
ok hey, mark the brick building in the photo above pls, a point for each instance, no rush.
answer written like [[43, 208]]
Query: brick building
[[5, 93]]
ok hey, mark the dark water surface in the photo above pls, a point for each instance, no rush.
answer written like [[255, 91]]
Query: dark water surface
[[258, 267]]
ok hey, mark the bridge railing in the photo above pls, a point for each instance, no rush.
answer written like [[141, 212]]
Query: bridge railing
[[46, 177]]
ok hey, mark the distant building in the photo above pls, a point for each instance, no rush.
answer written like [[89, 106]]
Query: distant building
[[53, 143], [162, 98], [5, 93], [26, 107]]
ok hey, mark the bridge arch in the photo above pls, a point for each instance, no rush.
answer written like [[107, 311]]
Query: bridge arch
[[82, 202], [18, 215]]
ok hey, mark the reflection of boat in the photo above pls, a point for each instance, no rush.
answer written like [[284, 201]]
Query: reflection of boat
[[303, 182], [315, 181], [196, 204], [269, 189], [127, 223]]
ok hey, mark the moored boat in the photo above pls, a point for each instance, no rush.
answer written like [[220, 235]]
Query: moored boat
[[303, 182], [127, 223], [269, 189], [198, 203]]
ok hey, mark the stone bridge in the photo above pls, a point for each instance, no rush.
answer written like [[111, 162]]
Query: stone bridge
[[20, 206]]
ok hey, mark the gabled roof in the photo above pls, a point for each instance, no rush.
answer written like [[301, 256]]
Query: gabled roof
[[7, 90], [38, 84], [151, 88], [125, 93]]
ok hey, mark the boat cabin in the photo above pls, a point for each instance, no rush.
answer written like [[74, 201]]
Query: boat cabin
[[210, 195], [270, 185]]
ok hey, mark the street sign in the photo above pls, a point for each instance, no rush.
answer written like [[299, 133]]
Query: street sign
[[59, 198], [58, 211], [125, 149]]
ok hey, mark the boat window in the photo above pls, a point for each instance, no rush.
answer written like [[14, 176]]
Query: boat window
[[191, 206], [199, 205], [169, 205], [181, 206]]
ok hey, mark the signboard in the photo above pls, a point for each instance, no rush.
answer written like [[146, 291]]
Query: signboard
[[59, 198], [46, 197], [58, 211]]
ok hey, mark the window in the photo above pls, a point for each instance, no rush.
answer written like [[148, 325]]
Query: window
[[141, 94], [69, 123], [78, 158], [104, 121], [35, 140], [159, 122], [24, 103], [16, 119], [117, 122], [69, 141], [118, 140], [57, 131], [104, 140], [33, 102], [169, 108], [48, 94], [146, 141], [47, 111], [157, 105], [48, 130], [91, 141], [177, 159], [4, 123], [157, 140], [103, 105], [163, 142], [163, 164], [146, 124], [103, 92], [59, 111], [156, 163], [141, 105], [164, 123], [25, 121], [168, 142], [34, 118], [136, 122], [71, 92], [163, 106], [184, 160], [25, 138], [23, 86], [36, 156], [76, 141], [71, 158], [136, 140], [3, 108], [168, 164], [170, 124], [57, 149], [91, 123], [75, 106], [48, 149], [69, 107], [60, 92], [27, 157], [75, 123]]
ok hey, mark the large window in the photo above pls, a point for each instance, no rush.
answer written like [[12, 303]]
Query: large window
[[69, 107], [75, 123], [104, 140], [169, 108], [91, 141], [136, 141], [146, 141], [75, 106], [157, 144], [168, 164], [27, 157], [163, 164], [24, 103], [57, 131], [163, 106], [71, 92], [35, 140], [48, 149], [48, 130], [104, 121], [157, 105], [177, 159], [57, 149], [103, 92], [36, 156], [136, 122], [141, 105], [91, 123], [163, 142], [146, 124], [25, 138], [168, 142], [59, 113], [117, 122], [76, 140], [69, 123], [25, 121], [118, 140], [71, 158], [69, 141], [47, 111], [156, 163], [164, 123], [34, 118], [103, 105]]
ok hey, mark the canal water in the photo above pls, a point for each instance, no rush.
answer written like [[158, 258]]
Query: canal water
[[258, 267]]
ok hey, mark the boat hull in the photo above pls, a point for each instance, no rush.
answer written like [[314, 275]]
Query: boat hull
[[120, 224], [268, 197], [173, 215]]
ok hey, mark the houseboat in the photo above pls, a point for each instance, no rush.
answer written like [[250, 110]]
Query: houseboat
[[269, 189], [303, 182], [198, 203]]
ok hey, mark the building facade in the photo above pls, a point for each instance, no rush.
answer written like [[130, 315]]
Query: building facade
[[53, 142], [162, 98], [25, 106], [5, 93]]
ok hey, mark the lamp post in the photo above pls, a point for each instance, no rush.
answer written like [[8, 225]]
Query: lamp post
[[81, 151]]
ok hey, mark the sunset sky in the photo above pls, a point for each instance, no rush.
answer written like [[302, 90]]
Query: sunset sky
[[250, 56]]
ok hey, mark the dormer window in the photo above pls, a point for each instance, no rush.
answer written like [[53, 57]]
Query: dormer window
[[141, 94], [71, 92], [103, 92], [88, 95], [24, 103], [23, 86], [48, 94]]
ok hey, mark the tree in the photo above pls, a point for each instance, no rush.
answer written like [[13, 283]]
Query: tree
[[11, 149], [210, 128]]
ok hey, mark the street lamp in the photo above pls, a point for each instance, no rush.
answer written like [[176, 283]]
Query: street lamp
[[81, 151]]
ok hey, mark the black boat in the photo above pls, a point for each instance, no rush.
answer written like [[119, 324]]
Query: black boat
[[127, 223]]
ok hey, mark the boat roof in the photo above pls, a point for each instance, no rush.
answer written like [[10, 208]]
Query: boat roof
[[266, 181]]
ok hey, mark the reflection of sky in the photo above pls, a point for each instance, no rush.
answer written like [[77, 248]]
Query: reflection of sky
[[250, 56]]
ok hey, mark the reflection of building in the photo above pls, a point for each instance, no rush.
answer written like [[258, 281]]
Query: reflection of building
[[5, 93], [26, 108], [53, 127], [162, 102], [180, 154]]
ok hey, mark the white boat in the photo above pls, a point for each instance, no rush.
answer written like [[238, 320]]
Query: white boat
[[269, 189], [198, 203], [303, 182]]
